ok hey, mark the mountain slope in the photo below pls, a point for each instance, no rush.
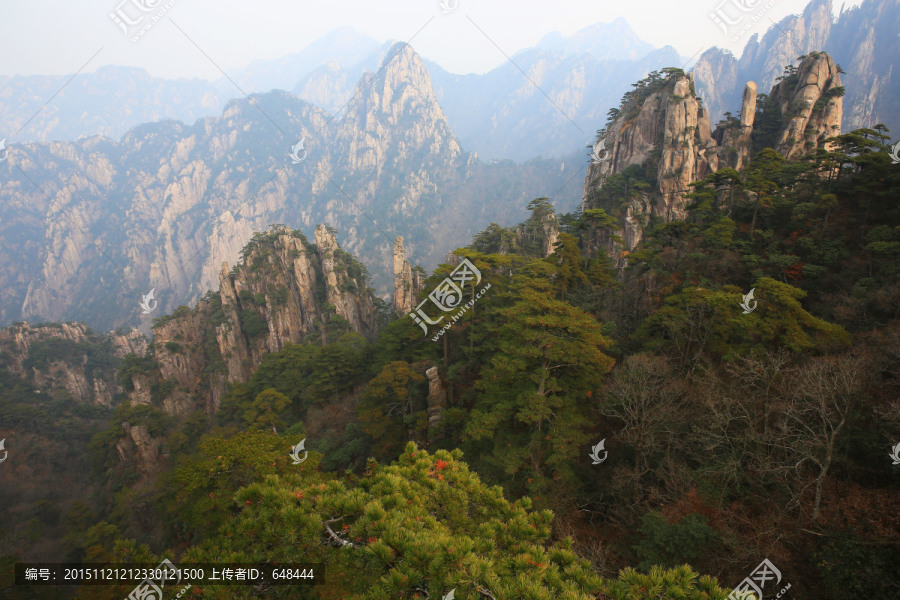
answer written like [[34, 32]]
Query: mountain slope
[[106, 103]]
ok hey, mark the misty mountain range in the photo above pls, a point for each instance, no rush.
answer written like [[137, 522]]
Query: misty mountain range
[[394, 146], [499, 114], [96, 224]]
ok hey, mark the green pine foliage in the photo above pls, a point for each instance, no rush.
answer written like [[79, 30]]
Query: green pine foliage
[[422, 526]]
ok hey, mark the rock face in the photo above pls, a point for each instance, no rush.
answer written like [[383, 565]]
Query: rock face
[[859, 40], [408, 284], [166, 205], [811, 103], [551, 233], [668, 132], [57, 357], [138, 443], [734, 139], [284, 291], [345, 291], [437, 400]]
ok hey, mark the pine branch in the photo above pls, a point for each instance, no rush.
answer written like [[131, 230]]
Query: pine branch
[[335, 537]]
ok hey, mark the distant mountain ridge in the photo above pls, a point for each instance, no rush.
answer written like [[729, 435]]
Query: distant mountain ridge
[[615, 40], [863, 41], [499, 114], [94, 225]]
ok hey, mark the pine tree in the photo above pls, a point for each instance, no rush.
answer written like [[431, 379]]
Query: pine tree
[[530, 418]]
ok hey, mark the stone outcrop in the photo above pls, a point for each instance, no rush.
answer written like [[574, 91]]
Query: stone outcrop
[[668, 133], [811, 104], [138, 443], [283, 292], [60, 361], [859, 40], [408, 283], [734, 138], [346, 292], [551, 234], [720, 75], [437, 400]]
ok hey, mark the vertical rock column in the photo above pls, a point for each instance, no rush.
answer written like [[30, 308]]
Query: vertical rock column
[[407, 284], [437, 400]]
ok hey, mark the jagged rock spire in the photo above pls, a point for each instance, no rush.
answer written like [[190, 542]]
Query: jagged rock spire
[[407, 283], [670, 128]]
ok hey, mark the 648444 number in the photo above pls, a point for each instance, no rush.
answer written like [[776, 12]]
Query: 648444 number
[[292, 574]]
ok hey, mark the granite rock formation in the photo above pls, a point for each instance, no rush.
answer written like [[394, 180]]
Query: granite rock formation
[[408, 283], [283, 292], [57, 358], [99, 223], [667, 133], [863, 40]]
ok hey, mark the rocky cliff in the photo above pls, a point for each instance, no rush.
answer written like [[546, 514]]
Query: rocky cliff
[[68, 359], [408, 283], [285, 290], [863, 40], [810, 103], [663, 130], [659, 140]]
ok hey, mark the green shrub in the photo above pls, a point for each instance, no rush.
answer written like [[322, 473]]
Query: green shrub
[[253, 323]]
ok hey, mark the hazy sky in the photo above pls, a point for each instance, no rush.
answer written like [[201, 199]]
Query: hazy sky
[[60, 36]]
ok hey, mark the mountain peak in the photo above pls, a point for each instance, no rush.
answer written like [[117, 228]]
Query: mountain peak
[[615, 40], [402, 52], [400, 90], [394, 114]]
